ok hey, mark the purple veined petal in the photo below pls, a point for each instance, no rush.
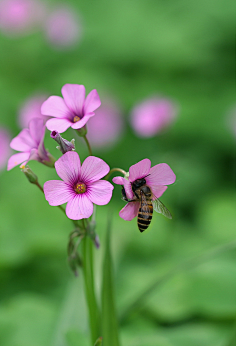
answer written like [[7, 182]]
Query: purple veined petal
[[17, 159], [42, 152], [92, 102], [80, 207], [37, 129], [158, 190], [57, 192], [68, 167], [128, 189], [129, 211], [161, 174], [56, 107], [59, 125], [23, 141], [119, 180], [139, 170], [100, 192], [74, 96], [93, 169], [79, 124]]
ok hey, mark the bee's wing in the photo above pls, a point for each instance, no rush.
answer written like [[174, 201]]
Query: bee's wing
[[159, 207]]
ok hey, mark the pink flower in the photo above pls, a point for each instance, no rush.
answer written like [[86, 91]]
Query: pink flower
[[81, 185], [18, 16], [105, 129], [156, 178], [151, 116], [63, 27], [31, 109], [73, 110], [5, 150], [30, 144]]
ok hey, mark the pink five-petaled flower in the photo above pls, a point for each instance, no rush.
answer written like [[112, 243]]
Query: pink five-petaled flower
[[73, 110], [81, 185], [156, 178], [30, 143]]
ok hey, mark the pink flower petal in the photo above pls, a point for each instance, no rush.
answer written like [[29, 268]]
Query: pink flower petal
[[37, 129], [80, 207], [92, 102], [57, 192], [5, 150], [100, 192], [79, 124], [139, 170], [158, 190], [119, 180], [68, 167], [128, 189], [23, 141], [129, 211], [55, 106], [74, 96], [160, 174], [17, 159], [59, 125], [93, 169]]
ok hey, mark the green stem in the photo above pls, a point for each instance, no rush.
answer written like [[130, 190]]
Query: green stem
[[93, 311], [88, 145], [115, 170]]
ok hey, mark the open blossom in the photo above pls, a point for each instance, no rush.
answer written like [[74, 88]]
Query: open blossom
[[156, 178], [5, 150], [80, 186], [73, 110], [105, 129], [19, 16], [30, 144], [63, 28], [151, 116], [31, 109]]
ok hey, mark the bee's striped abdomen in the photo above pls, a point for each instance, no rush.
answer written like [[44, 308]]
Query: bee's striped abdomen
[[145, 211]]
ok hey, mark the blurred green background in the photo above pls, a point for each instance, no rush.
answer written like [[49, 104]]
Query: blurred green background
[[130, 50]]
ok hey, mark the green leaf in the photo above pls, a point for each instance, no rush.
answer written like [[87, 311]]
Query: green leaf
[[109, 316]]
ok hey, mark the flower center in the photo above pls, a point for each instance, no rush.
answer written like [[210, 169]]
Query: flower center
[[80, 188], [76, 118]]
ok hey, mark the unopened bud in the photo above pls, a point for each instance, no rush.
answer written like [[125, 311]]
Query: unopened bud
[[64, 145], [33, 179], [98, 342]]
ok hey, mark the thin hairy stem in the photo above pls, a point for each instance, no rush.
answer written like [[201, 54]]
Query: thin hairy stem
[[115, 170]]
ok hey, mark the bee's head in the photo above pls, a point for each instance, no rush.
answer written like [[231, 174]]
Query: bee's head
[[138, 183]]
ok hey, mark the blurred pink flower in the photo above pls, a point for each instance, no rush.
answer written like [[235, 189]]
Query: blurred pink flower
[[30, 143], [156, 178], [73, 110], [5, 150], [31, 109], [20, 16], [151, 116], [81, 185], [105, 128], [63, 27]]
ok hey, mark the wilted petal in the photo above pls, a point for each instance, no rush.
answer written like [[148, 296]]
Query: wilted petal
[[59, 125], [55, 106], [158, 190], [129, 211], [37, 129], [57, 192], [74, 96], [93, 169], [68, 167], [139, 170], [80, 207], [100, 192], [17, 159], [161, 174], [92, 102], [79, 124], [23, 141]]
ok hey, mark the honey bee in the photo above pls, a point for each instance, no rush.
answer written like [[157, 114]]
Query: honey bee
[[148, 202]]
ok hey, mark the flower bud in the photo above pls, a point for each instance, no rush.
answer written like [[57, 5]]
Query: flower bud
[[98, 342], [64, 145], [33, 179]]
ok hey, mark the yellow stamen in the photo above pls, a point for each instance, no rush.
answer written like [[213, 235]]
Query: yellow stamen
[[80, 188], [76, 118]]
